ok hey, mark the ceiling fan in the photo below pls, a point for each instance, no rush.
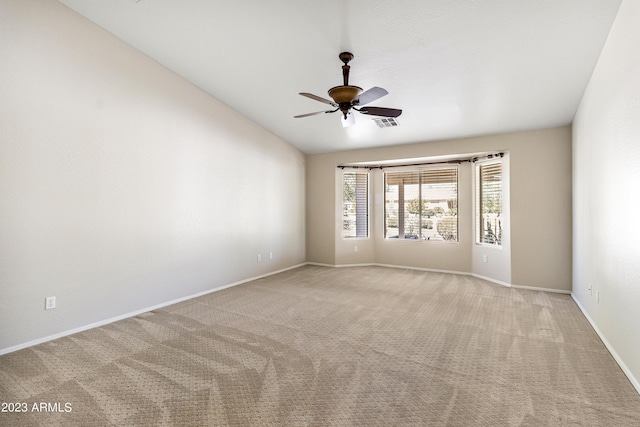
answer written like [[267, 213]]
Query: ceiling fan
[[347, 98]]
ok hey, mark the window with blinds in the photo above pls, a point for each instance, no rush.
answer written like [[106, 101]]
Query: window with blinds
[[422, 204], [355, 204], [489, 203]]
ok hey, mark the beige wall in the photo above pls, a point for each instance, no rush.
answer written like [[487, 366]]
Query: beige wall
[[540, 182], [320, 211], [606, 176], [122, 186], [432, 255]]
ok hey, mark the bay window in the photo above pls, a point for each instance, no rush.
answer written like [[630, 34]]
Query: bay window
[[421, 204]]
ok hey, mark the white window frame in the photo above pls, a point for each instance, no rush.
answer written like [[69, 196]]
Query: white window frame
[[401, 219], [360, 214], [497, 225]]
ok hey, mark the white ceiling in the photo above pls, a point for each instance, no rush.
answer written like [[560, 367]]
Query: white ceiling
[[457, 68]]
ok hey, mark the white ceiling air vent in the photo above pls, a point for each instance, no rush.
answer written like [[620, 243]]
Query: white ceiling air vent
[[386, 122]]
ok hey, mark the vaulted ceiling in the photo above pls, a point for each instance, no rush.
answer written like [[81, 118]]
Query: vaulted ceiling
[[456, 68]]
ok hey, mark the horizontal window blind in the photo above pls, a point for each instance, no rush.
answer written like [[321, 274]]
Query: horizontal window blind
[[440, 192], [355, 204], [489, 203], [422, 204]]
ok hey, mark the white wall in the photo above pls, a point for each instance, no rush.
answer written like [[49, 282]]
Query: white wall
[[122, 186], [606, 188]]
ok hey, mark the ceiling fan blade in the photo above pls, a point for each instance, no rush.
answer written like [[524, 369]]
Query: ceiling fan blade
[[313, 114], [380, 111], [318, 98], [371, 95], [349, 121]]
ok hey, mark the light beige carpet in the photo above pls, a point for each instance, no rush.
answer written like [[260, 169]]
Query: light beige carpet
[[316, 346]]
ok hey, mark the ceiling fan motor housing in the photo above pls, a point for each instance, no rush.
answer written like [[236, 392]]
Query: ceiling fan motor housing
[[345, 96], [342, 94]]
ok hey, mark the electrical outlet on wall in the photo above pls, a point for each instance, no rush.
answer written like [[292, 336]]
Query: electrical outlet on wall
[[49, 303]]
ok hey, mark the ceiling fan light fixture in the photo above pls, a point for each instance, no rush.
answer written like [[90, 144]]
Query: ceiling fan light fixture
[[348, 120]]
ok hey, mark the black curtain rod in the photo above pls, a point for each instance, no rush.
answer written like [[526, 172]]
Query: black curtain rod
[[450, 162], [488, 156]]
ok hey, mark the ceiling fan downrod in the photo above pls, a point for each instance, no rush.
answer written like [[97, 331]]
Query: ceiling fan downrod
[[345, 57], [345, 95]]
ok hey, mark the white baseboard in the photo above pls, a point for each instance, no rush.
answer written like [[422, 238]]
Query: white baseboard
[[528, 288], [135, 313], [533, 288], [375, 264], [430, 270], [320, 264], [634, 381], [492, 280], [434, 270]]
